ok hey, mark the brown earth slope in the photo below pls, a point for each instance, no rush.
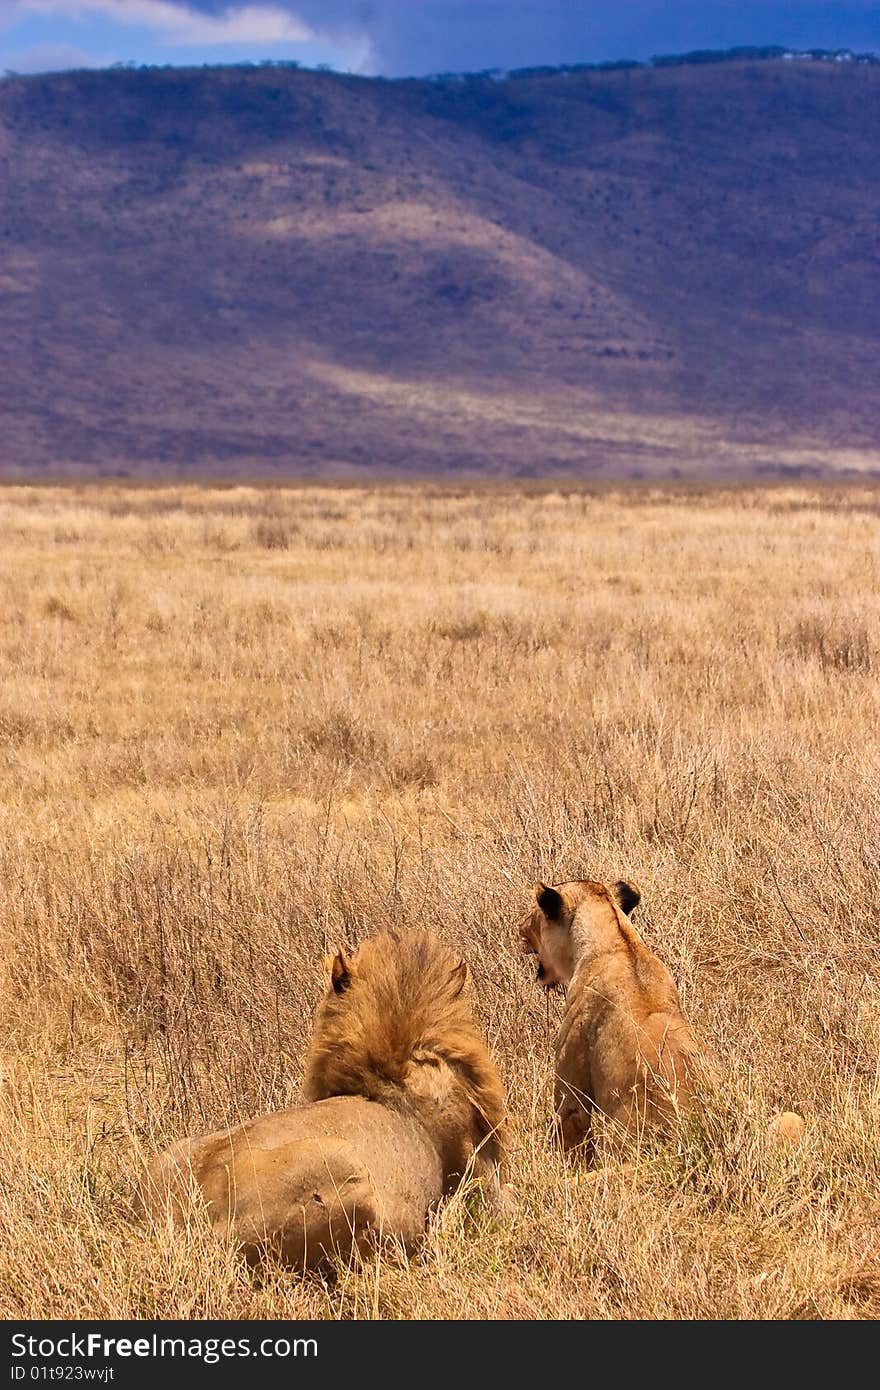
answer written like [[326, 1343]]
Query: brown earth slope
[[262, 270]]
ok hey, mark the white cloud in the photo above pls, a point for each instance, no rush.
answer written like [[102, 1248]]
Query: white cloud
[[178, 23]]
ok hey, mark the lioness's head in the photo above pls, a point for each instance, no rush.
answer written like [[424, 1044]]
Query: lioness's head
[[570, 918]]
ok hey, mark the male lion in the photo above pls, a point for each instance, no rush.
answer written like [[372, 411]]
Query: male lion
[[624, 1047], [403, 1101]]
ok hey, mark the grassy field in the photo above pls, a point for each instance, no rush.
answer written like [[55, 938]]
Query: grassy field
[[238, 726]]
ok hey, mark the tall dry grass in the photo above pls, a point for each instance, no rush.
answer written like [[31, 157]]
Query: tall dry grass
[[237, 726]]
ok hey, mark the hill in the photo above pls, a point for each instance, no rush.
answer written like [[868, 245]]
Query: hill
[[263, 270]]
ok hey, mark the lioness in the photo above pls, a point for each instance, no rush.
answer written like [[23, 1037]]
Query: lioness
[[624, 1047], [403, 1101]]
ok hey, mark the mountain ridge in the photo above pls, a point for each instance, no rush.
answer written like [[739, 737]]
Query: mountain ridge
[[594, 271]]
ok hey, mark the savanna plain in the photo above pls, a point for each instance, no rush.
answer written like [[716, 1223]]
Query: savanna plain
[[240, 726]]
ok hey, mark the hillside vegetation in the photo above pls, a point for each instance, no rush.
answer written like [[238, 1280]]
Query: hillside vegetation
[[592, 272], [239, 726]]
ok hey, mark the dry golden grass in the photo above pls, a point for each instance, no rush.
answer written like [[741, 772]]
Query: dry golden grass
[[237, 726]]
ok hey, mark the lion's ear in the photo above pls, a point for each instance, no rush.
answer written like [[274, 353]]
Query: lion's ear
[[341, 970], [459, 978], [626, 895], [549, 901]]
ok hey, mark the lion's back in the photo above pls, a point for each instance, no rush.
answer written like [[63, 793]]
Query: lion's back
[[313, 1180]]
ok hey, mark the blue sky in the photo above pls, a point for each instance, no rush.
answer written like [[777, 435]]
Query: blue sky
[[398, 37]]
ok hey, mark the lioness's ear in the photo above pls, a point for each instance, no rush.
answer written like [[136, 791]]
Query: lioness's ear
[[549, 901], [627, 895], [340, 971]]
